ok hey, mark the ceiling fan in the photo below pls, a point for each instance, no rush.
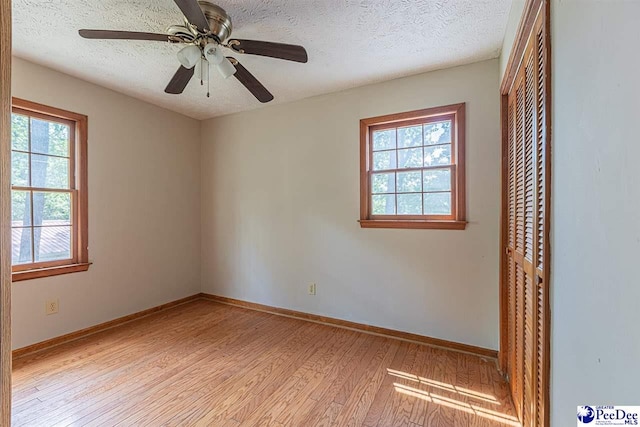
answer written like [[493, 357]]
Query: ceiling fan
[[206, 30]]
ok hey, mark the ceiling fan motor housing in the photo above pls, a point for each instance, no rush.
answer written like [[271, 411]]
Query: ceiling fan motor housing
[[219, 20]]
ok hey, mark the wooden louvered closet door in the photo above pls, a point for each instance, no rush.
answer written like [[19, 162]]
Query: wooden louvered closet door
[[525, 266]]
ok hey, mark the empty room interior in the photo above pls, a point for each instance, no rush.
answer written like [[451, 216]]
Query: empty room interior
[[319, 213]]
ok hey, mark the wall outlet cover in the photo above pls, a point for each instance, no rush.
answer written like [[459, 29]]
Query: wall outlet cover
[[51, 306]]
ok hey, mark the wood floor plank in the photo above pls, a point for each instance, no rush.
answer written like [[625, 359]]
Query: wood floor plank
[[282, 381], [275, 406], [388, 413], [107, 361], [204, 363], [328, 379], [185, 382], [57, 358], [361, 397], [147, 367], [215, 398], [267, 370], [344, 365], [325, 406], [386, 388], [421, 369], [404, 407], [315, 376], [442, 409], [121, 399]]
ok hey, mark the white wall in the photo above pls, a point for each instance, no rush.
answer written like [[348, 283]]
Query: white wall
[[144, 210], [513, 22], [280, 203], [595, 284]]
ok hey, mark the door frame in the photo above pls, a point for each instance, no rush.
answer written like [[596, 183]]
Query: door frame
[[5, 213], [531, 10]]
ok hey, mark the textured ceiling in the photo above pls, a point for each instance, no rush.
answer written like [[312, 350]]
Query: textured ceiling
[[350, 43]]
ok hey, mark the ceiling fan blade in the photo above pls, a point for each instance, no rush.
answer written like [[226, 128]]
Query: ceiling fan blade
[[191, 10], [180, 80], [250, 82], [122, 35], [290, 52]]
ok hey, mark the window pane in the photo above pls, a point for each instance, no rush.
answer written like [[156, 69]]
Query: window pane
[[409, 182], [437, 180], [20, 208], [21, 246], [52, 243], [410, 137], [410, 158], [437, 133], [383, 183], [383, 204], [410, 204], [437, 203], [384, 140], [51, 208], [438, 155], [19, 169], [19, 132], [49, 138], [49, 172], [384, 160]]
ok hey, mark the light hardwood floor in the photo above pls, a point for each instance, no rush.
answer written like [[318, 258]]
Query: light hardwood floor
[[208, 364]]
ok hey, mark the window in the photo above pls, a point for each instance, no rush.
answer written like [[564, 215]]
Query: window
[[412, 169], [48, 191]]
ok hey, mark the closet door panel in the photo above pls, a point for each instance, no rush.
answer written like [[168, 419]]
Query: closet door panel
[[526, 246]]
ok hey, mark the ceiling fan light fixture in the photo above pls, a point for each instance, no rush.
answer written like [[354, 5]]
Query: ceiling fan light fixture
[[213, 54], [226, 68], [189, 56]]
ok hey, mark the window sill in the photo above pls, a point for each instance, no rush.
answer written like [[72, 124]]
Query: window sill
[[49, 271], [422, 224]]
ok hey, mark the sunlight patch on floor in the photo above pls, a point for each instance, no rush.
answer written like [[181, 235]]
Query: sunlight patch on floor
[[438, 399], [445, 386]]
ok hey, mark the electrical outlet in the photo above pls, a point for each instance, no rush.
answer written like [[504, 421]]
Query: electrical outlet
[[312, 288], [51, 307]]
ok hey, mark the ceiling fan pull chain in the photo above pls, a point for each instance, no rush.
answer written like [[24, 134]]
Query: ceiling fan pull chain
[[208, 80]]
